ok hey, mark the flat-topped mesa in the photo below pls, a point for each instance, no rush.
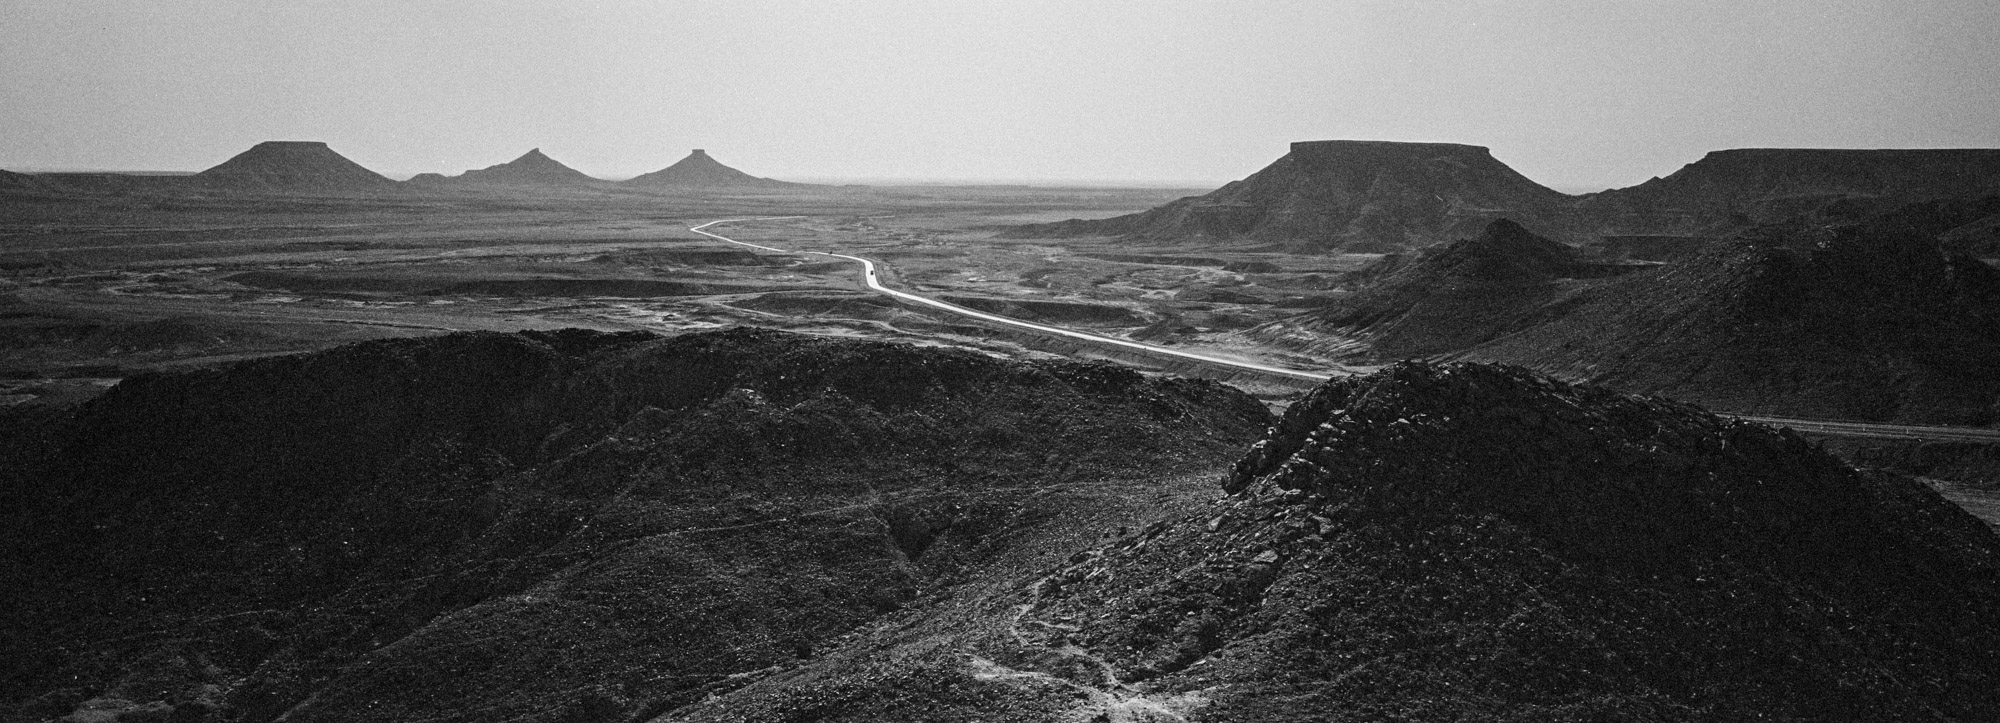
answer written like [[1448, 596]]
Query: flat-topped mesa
[[700, 171], [533, 168], [293, 166], [1762, 185], [1350, 196]]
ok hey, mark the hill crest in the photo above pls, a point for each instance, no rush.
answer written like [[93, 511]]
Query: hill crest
[[700, 170], [532, 168]]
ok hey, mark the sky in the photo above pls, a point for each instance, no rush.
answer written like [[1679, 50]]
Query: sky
[[1576, 94]]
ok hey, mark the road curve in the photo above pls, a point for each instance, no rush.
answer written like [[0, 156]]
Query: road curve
[[868, 277], [1810, 426]]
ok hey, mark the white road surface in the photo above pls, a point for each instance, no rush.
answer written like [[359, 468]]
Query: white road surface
[[868, 277]]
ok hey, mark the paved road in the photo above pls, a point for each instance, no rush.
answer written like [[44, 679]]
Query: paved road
[[875, 284], [1813, 426]]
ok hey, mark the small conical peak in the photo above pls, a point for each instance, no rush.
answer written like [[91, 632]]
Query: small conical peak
[[1506, 250], [535, 157], [700, 156]]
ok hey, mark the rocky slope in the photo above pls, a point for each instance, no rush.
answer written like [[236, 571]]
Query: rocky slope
[[1442, 299], [1732, 188], [1473, 543], [1358, 196], [292, 166], [532, 169], [564, 526], [701, 171], [1868, 320]]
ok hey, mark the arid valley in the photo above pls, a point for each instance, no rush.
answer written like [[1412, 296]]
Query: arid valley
[[1537, 361]]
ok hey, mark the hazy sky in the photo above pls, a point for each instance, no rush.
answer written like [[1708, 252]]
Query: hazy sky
[[1570, 92]]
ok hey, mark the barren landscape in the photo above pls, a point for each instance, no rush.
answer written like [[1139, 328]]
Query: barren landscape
[[217, 278], [1030, 362], [318, 445]]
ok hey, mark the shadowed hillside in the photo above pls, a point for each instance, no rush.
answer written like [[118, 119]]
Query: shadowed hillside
[[1474, 543], [1441, 299], [1869, 320], [540, 526]]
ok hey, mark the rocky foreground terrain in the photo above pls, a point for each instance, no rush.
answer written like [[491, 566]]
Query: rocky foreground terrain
[[751, 525], [542, 526]]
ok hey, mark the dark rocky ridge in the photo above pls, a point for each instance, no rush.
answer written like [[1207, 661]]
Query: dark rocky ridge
[[1346, 195], [1465, 542], [540, 526], [287, 166], [1867, 320], [1732, 188], [1442, 299], [699, 170]]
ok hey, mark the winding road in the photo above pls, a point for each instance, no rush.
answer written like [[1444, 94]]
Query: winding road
[[868, 277], [874, 284]]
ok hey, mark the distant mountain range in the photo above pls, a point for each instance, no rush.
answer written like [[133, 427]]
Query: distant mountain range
[[313, 168]]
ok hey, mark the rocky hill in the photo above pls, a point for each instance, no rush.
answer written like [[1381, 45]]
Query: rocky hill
[[701, 171], [566, 526], [532, 169], [1441, 299], [755, 526], [1473, 543], [1358, 196], [1731, 188], [292, 167], [1868, 320]]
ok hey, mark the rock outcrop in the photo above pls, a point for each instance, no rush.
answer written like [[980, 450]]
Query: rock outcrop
[[1466, 542], [699, 171], [1364, 196], [293, 167]]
